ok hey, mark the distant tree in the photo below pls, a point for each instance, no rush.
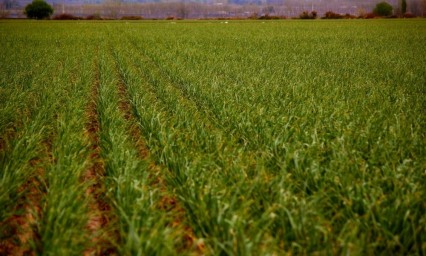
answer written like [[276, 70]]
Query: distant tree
[[404, 6], [66, 16], [308, 16], [268, 9], [182, 10], [4, 13], [38, 9], [9, 4], [332, 15], [111, 8], [424, 8], [417, 7], [383, 9]]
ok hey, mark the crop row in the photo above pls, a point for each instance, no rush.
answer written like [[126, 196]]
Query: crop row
[[205, 138]]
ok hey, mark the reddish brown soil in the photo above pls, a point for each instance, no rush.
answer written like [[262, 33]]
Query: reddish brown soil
[[100, 220], [134, 131], [21, 235]]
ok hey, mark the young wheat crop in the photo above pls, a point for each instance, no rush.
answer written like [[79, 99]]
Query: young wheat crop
[[244, 138]]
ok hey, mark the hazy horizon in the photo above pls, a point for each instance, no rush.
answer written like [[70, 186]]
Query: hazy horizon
[[209, 8]]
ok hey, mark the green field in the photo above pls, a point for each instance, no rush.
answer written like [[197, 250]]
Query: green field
[[213, 138]]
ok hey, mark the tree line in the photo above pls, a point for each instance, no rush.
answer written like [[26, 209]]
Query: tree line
[[114, 9]]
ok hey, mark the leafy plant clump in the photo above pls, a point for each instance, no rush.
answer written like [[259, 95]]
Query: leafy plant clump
[[66, 16], [134, 17], [95, 16], [271, 17], [383, 9], [308, 16], [38, 9], [332, 15]]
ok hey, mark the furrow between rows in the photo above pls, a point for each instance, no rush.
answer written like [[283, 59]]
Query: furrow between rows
[[168, 201], [158, 75], [100, 213], [204, 106], [197, 154], [21, 231]]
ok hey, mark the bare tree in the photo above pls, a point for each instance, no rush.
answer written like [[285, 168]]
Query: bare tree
[[424, 8], [113, 8], [4, 13], [415, 7], [182, 11]]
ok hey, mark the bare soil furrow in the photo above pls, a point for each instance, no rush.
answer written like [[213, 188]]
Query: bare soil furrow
[[21, 235], [100, 223], [202, 110], [168, 202]]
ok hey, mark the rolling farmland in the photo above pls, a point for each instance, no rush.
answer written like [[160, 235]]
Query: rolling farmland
[[213, 138]]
